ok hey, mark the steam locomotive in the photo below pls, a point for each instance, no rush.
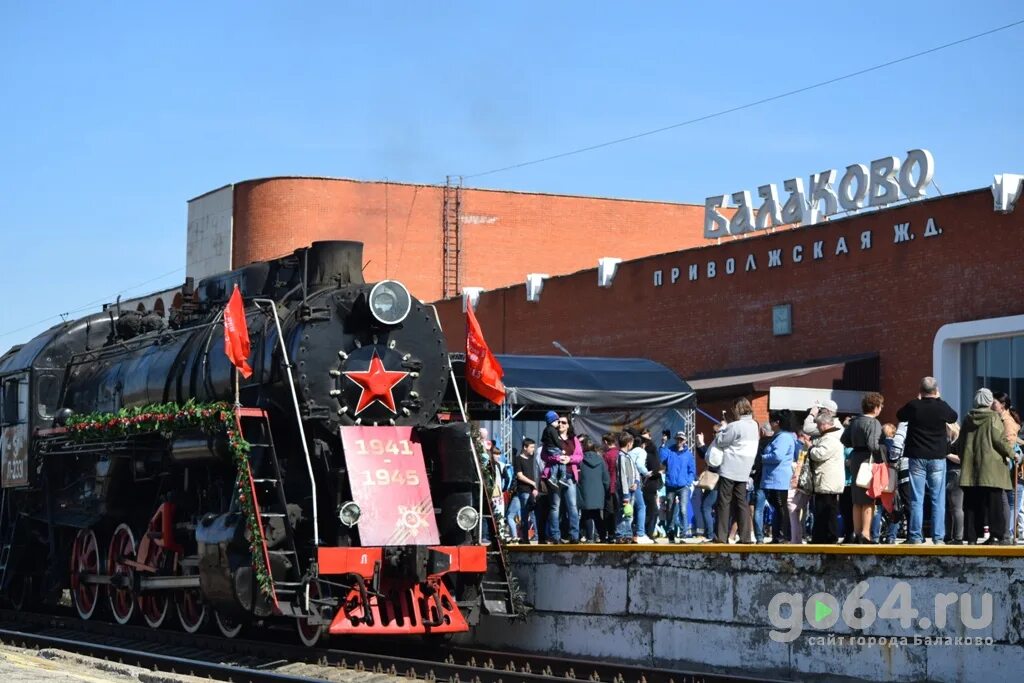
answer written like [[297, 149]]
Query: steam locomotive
[[349, 509]]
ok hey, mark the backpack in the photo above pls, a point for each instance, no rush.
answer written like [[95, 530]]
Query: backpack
[[508, 479], [627, 470]]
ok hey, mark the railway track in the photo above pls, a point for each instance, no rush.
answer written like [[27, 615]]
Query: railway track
[[250, 660]]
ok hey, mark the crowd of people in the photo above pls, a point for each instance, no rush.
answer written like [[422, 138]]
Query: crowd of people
[[815, 477]]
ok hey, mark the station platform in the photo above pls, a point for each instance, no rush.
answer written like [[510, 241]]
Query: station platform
[[899, 549]]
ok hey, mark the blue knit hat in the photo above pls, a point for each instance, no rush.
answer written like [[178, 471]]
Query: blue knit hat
[[551, 416]]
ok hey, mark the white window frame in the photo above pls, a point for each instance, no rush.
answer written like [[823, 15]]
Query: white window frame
[[946, 350]]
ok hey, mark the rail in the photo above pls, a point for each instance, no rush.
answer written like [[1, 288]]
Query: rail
[[251, 661]]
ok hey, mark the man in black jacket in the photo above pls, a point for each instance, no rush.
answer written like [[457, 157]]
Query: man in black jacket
[[926, 448]]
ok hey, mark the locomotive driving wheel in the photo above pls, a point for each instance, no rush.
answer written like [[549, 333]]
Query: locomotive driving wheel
[[19, 591], [121, 591], [155, 605], [228, 627], [192, 611], [85, 560]]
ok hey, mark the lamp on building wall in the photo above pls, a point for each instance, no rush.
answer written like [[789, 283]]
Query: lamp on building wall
[[534, 285], [1006, 189], [561, 348], [606, 269], [470, 297]]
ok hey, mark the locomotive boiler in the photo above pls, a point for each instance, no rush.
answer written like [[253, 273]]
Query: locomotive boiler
[[328, 493]]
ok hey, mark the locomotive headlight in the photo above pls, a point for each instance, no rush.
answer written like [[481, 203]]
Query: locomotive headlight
[[349, 514], [390, 302], [467, 518]]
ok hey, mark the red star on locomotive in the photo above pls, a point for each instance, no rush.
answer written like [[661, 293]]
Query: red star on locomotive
[[377, 384]]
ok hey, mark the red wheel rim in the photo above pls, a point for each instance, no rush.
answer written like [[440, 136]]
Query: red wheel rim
[[122, 547], [154, 605], [85, 559], [191, 609]]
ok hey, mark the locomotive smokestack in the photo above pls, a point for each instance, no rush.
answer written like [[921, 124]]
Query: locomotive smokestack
[[328, 262]]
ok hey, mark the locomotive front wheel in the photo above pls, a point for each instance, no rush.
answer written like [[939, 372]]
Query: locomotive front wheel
[[85, 559], [310, 633], [155, 605], [228, 627], [191, 608], [122, 576]]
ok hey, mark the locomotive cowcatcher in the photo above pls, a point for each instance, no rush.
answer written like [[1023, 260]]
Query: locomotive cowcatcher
[[329, 494]]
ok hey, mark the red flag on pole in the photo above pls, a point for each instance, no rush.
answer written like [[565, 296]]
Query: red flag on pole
[[483, 372], [236, 333]]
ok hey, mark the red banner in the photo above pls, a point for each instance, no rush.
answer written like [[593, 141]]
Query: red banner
[[236, 334], [483, 371], [389, 484]]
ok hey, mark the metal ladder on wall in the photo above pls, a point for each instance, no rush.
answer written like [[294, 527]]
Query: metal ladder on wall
[[267, 486], [451, 276]]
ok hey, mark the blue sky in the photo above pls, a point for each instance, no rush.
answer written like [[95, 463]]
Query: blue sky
[[112, 115]]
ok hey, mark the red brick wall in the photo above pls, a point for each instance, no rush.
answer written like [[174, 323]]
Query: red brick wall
[[890, 299], [505, 234], [275, 216]]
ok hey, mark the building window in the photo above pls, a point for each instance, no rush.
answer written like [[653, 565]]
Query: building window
[[994, 363]]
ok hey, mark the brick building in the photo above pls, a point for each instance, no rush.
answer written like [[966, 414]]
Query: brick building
[[434, 238], [874, 301]]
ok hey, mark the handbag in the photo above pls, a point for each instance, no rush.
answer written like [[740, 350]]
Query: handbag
[[708, 480], [893, 483], [715, 456], [806, 480], [864, 475], [879, 480]]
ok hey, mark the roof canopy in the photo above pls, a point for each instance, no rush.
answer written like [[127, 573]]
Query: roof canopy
[[551, 381]]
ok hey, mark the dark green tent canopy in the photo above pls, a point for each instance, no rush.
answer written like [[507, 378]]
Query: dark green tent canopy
[[587, 382]]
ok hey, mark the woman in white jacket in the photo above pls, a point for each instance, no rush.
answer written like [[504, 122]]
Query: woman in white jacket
[[828, 467], [738, 443]]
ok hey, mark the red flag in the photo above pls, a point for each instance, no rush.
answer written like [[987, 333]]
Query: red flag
[[483, 372], [236, 334]]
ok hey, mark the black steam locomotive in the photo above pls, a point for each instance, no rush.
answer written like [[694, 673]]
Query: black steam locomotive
[[328, 493]]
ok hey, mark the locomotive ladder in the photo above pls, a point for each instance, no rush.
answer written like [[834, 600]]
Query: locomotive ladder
[[267, 486], [497, 587], [500, 593]]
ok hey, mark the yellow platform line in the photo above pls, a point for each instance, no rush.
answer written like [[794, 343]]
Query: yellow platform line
[[778, 549]]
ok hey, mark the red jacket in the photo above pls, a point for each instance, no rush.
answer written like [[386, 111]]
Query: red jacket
[[611, 461]]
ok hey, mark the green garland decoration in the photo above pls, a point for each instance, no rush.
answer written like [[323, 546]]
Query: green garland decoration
[[168, 419]]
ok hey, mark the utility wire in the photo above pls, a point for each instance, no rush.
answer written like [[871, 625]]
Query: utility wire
[[749, 105], [91, 304], [107, 299]]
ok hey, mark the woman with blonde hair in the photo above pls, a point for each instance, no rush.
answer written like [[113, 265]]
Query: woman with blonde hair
[[737, 441], [954, 494], [1011, 424]]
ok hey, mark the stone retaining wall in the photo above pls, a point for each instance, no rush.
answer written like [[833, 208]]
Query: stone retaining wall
[[710, 612]]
